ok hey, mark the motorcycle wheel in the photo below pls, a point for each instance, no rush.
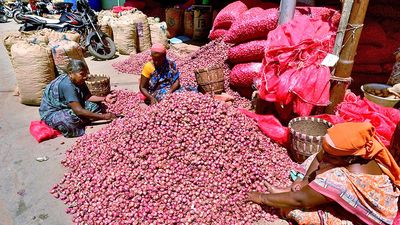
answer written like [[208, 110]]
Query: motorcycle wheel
[[3, 18], [9, 14], [99, 51], [18, 17]]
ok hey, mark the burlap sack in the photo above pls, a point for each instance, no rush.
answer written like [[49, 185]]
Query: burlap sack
[[105, 25], [63, 52], [125, 37], [11, 39], [69, 35], [34, 69], [158, 32], [142, 28]]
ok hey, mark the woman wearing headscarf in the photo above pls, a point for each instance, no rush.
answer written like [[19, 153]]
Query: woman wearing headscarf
[[159, 76], [353, 180], [67, 104]]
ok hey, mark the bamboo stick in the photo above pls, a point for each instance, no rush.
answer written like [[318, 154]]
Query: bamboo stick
[[344, 67]]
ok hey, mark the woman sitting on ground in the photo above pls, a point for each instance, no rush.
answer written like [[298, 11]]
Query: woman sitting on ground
[[159, 76], [67, 104], [353, 180]]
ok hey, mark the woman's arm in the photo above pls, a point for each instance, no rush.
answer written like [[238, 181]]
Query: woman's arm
[[84, 113], [174, 86], [110, 98], [144, 84], [305, 198]]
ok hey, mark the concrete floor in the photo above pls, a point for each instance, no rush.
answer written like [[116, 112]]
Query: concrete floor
[[24, 182]]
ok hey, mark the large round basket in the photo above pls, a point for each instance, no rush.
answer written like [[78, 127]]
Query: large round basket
[[306, 135], [210, 80], [98, 85]]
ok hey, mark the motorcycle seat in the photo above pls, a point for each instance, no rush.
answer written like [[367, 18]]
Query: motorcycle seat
[[47, 20]]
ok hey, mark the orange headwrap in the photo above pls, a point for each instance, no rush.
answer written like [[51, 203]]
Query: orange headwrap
[[358, 139]]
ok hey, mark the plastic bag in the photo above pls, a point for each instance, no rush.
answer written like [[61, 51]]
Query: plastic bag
[[270, 126], [243, 75], [252, 51], [291, 71], [253, 24], [42, 132], [228, 15]]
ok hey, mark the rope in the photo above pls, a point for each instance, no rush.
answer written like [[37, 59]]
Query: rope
[[341, 79], [353, 28]]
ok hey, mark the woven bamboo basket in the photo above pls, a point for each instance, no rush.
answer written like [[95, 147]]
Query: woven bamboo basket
[[306, 134], [210, 80], [98, 85]]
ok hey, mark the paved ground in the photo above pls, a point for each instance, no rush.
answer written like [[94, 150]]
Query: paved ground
[[24, 182]]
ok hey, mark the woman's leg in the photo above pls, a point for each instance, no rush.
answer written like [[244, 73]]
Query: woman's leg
[[69, 124]]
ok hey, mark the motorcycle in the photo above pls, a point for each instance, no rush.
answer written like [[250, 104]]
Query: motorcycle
[[3, 14], [8, 11], [83, 21], [20, 9]]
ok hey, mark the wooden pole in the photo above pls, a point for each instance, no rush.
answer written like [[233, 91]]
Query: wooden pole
[[342, 76], [286, 11]]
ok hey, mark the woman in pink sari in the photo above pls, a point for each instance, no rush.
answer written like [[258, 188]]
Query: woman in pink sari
[[353, 180]]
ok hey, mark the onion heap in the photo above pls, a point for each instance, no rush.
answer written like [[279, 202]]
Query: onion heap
[[187, 160], [212, 54]]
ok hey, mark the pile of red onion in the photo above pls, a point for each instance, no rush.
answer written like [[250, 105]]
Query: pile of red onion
[[212, 54], [188, 159]]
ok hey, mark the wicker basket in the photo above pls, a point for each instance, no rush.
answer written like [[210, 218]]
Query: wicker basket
[[98, 85], [306, 136], [210, 80]]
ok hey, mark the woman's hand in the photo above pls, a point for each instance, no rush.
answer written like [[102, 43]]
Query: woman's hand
[[110, 116], [110, 98], [254, 196], [298, 184], [153, 100]]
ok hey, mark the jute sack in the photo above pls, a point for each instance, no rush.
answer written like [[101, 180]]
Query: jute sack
[[69, 35], [105, 25], [142, 28], [125, 36], [63, 52], [158, 31], [11, 39], [34, 69]]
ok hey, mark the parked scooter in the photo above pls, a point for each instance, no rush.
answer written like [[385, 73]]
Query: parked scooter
[[19, 9], [3, 14], [83, 21], [8, 10]]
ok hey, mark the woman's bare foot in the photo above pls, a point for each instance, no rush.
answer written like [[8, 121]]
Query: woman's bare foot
[[274, 190]]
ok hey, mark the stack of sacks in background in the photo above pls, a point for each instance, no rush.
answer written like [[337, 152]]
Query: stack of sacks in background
[[158, 31], [248, 31], [132, 31], [34, 56], [379, 39]]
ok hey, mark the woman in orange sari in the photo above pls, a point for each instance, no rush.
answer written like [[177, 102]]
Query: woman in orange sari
[[353, 180]]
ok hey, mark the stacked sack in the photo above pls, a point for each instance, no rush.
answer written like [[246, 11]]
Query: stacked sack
[[225, 18], [63, 51], [35, 55], [379, 39], [34, 69], [247, 30], [158, 31]]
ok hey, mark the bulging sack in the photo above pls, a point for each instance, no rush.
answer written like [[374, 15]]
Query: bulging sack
[[243, 75], [218, 33], [252, 25], [228, 15], [125, 37], [252, 51], [63, 52], [174, 19], [34, 68], [158, 32]]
